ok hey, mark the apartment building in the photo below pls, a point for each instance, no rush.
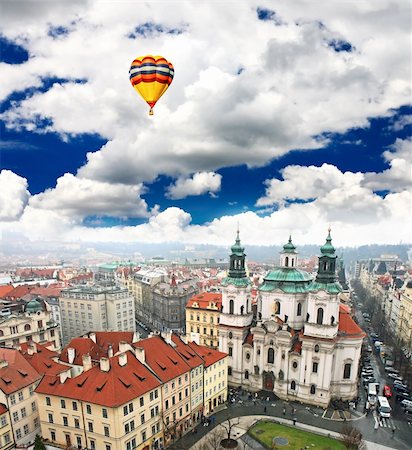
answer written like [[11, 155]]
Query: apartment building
[[140, 285], [174, 373], [405, 319], [18, 380], [6, 433], [196, 375], [98, 308], [114, 405], [34, 324], [214, 376], [202, 318]]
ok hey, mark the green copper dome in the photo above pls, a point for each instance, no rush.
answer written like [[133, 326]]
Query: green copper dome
[[328, 248], [34, 306], [287, 279], [289, 247]]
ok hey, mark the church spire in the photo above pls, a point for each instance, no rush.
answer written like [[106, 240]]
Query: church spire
[[327, 262], [237, 267]]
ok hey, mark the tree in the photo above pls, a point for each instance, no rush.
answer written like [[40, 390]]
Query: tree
[[38, 443], [352, 438], [228, 426], [214, 438]]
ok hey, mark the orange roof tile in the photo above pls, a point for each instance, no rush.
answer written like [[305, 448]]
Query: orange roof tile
[[5, 289], [186, 352], [347, 326], [121, 384], [47, 291], [85, 345], [162, 358], [209, 355], [18, 373], [18, 292], [204, 299], [42, 360]]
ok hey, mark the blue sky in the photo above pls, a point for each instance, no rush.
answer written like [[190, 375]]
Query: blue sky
[[308, 125]]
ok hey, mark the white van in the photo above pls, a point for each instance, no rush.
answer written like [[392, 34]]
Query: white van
[[373, 390], [384, 407]]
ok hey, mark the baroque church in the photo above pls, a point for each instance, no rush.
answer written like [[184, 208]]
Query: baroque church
[[302, 344]]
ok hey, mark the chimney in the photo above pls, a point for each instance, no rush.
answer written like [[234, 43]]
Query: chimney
[[167, 336], [63, 377], [140, 354], [71, 354], [122, 359], [109, 351], [87, 362], [3, 363], [104, 364], [92, 336], [123, 347], [31, 348]]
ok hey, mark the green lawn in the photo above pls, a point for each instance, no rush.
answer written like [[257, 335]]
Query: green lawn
[[264, 432]]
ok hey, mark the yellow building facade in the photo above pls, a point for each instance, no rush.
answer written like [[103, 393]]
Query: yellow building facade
[[202, 318]]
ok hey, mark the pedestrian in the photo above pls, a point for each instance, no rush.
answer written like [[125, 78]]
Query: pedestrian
[[264, 409], [294, 421], [284, 411], [393, 432]]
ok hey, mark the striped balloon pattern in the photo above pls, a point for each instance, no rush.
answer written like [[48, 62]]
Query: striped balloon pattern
[[151, 76]]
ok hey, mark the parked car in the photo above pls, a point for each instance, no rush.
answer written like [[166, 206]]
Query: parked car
[[390, 369], [403, 396], [398, 388], [406, 403], [394, 376], [387, 391]]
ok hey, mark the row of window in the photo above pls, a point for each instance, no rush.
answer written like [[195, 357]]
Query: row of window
[[192, 328], [180, 396], [174, 416], [20, 396], [212, 320]]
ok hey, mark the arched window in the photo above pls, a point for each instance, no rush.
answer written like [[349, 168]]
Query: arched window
[[27, 327], [211, 319], [347, 370], [277, 308], [231, 307], [191, 316], [230, 335], [293, 385], [292, 262], [325, 266], [299, 311], [229, 371], [246, 374], [316, 348], [312, 389], [247, 306], [287, 261], [271, 356], [319, 316], [198, 318], [230, 350]]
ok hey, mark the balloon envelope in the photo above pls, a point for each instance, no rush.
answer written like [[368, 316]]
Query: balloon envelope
[[151, 76]]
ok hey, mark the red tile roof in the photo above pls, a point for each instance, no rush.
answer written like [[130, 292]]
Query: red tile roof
[[47, 291], [162, 358], [121, 384], [42, 360], [186, 352], [18, 373], [18, 292], [209, 355], [204, 299], [5, 289], [85, 345], [3, 409], [347, 326]]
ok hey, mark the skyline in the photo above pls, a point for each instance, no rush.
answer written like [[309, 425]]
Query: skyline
[[287, 120]]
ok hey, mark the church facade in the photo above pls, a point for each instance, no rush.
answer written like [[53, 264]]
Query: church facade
[[302, 344]]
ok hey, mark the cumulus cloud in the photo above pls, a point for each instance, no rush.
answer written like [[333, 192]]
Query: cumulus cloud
[[281, 92], [13, 195], [81, 197], [399, 175], [200, 183]]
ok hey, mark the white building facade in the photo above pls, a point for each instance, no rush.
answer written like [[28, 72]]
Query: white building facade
[[303, 344]]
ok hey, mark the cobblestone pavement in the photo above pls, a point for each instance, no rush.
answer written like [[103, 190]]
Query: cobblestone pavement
[[400, 439]]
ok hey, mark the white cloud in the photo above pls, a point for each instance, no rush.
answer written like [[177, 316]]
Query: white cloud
[[13, 195], [399, 176], [81, 197], [306, 183], [293, 85], [200, 183]]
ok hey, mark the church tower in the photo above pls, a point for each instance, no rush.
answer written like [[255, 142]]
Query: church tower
[[236, 317], [323, 303]]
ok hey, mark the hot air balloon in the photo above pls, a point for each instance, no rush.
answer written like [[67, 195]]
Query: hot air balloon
[[151, 76]]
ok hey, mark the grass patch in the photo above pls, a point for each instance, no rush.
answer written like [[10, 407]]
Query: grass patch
[[265, 432]]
